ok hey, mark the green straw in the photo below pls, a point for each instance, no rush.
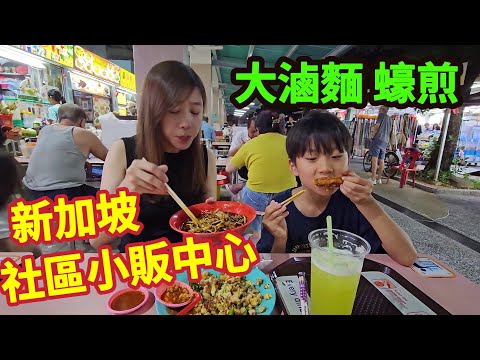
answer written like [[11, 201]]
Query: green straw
[[329, 233]]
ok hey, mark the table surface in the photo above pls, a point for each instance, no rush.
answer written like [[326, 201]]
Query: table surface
[[457, 295], [26, 160], [221, 143], [222, 161]]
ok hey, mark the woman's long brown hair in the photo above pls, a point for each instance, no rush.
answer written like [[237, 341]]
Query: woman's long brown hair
[[166, 85]]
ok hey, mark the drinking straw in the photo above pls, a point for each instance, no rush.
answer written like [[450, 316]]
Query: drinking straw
[[329, 233]]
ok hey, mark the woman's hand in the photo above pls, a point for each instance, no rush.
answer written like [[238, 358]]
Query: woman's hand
[[210, 200], [145, 177], [357, 189], [274, 221]]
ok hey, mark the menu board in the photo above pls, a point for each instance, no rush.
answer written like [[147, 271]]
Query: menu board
[[95, 65], [90, 86], [127, 80], [121, 98], [62, 54], [101, 106]]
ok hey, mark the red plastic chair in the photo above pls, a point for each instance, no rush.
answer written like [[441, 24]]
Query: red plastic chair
[[407, 166]]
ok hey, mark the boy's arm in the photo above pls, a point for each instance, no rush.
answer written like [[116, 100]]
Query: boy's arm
[[395, 240], [274, 222]]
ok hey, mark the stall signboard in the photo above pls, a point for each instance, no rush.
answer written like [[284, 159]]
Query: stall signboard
[[61, 54], [95, 65], [127, 80], [90, 86]]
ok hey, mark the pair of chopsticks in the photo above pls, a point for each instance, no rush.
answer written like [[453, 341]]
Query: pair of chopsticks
[[291, 198], [180, 203]]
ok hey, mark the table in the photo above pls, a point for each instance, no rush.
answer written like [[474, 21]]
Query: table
[[222, 162], [457, 295], [26, 160], [95, 161], [221, 143]]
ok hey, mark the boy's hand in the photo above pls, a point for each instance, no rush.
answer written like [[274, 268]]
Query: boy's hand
[[357, 189], [274, 220]]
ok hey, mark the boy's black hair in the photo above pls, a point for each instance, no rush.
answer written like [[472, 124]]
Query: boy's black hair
[[322, 129]]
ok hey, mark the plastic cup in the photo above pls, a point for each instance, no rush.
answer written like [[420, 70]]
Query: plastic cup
[[335, 273]]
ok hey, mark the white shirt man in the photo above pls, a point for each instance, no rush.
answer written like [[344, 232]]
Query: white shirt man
[[238, 140], [243, 136]]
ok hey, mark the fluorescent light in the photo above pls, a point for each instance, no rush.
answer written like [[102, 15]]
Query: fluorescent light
[[21, 56], [252, 103], [246, 108]]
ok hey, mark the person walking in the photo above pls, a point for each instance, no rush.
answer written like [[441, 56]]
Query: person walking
[[378, 145]]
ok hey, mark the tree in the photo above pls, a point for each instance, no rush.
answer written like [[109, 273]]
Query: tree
[[453, 131]]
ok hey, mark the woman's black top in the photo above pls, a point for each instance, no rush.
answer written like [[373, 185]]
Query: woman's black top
[[155, 216]]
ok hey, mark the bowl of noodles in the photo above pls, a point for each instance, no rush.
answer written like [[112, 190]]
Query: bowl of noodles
[[215, 220]]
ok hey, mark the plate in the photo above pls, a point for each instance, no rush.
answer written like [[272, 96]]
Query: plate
[[252, 276]]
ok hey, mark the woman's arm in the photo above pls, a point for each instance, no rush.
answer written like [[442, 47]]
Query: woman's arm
[[142, 177], [115, 167], [211, 188]]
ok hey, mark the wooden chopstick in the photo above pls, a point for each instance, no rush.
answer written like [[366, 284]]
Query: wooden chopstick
[[291, 198], [182, 204]]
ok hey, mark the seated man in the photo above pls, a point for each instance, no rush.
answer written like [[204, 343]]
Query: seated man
[[57, 164]]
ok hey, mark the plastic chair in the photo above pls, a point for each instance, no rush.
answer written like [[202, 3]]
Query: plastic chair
[[407, 166]]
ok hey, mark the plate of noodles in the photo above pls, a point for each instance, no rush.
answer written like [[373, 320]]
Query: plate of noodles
[[215, 219], [222, 294]]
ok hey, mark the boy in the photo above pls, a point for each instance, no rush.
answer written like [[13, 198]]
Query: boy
[[317, 148]]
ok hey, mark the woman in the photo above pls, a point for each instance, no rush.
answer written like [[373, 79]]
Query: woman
[[56, 99], [268, 171], [166, 148]]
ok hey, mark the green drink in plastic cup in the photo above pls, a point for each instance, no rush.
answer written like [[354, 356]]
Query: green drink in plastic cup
[[335, 272]]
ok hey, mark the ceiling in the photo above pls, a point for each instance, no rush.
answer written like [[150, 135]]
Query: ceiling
[[235, 56], [224, 58]]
